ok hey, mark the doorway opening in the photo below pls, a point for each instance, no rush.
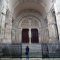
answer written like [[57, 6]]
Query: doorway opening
[[34, 36], [25, 36]]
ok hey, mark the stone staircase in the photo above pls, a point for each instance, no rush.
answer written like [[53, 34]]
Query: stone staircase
[[10, 50], [34, 50]]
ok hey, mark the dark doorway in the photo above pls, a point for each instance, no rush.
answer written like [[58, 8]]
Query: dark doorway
[[25, 36], [34, 36]]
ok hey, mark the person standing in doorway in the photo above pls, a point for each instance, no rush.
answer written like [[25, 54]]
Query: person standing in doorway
[[27, 53]]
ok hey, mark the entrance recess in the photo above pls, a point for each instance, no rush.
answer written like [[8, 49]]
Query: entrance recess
[[34, 36], [25, 36]]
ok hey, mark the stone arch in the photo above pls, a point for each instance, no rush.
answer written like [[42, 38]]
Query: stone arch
[[31, 15]]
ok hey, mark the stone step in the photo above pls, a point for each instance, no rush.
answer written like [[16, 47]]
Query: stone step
[[30, 59], [32, 48]]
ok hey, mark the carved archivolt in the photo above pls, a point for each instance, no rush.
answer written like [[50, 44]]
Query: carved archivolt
[[28, 18]]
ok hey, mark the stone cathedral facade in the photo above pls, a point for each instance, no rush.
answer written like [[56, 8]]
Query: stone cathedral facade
[[30, 22], [13, 23]]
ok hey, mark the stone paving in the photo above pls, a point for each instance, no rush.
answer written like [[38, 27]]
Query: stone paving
[[30, 59]]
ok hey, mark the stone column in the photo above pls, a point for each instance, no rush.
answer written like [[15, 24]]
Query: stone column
[[53, 35], [13, 35], [39, 35], [29, 35], [44, 31], [18, 36]]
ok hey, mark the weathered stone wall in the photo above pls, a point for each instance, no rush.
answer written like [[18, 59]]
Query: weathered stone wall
[[57, 10], [5, 22], [52, 27], [8, 27], [3, 7], [47, 30]]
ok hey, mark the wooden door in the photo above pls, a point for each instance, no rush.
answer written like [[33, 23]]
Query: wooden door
[[25, 36], [34, 36]]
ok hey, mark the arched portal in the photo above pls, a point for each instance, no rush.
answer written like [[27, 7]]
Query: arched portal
[[31, 23]]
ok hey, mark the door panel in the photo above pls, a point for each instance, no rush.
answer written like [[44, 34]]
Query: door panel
[[34, 36], [25, 36]]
